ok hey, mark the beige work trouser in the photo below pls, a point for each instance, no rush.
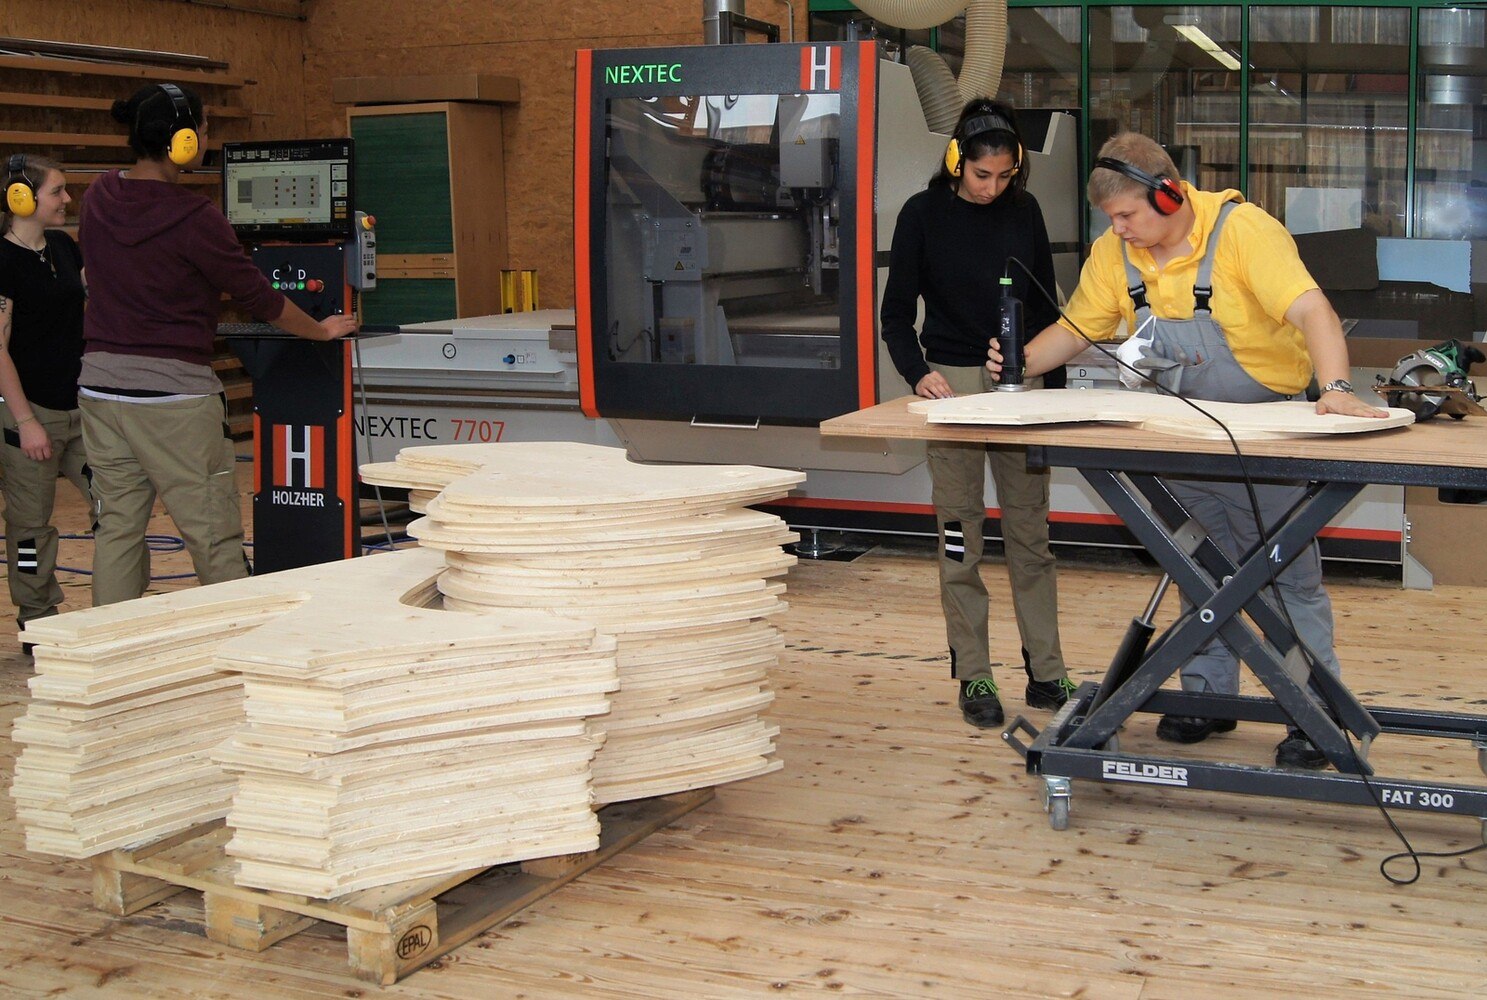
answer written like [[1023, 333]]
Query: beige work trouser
[[958, 474], [180, 451], [30, 489]]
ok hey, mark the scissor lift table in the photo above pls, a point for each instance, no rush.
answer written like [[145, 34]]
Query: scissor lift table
[[1126, 467]]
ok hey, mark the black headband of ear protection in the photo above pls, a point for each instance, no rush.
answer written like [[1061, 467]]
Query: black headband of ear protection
[[179, 104], [1132, 171], [15, 166], [981, 124]]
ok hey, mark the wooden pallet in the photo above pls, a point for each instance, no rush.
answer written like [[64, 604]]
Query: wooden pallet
[[391, 930]]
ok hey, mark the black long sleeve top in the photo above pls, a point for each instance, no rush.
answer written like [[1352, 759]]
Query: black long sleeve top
[[952, 253]]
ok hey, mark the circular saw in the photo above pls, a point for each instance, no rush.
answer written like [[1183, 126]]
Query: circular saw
[[1434, 380]]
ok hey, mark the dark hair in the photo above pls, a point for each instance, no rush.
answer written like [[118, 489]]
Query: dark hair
[[150, 113], [995, 140]]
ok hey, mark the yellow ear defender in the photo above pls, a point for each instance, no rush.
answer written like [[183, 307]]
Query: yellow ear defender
[[980, 125], [184, 142], [20, 190]]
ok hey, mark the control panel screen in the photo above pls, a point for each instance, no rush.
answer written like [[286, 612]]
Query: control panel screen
[[290, 190]]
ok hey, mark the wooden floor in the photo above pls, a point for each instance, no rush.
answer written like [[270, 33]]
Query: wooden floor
[[901, 853]]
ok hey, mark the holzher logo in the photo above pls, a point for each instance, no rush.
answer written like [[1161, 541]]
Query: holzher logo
[[820, 68]]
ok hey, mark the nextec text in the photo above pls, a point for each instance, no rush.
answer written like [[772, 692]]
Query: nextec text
[[644, 73]]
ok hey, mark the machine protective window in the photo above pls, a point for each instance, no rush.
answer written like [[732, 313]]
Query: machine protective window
[[732, 201]]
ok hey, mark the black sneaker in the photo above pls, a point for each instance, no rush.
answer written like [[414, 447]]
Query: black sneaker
[[979, 703], [1191, 728], [1052, 695], [1296, 751]]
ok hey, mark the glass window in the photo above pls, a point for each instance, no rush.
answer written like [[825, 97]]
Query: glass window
[[1041, 67], [1451, 126], [1171, 73], [732, 202], [1329, 116]]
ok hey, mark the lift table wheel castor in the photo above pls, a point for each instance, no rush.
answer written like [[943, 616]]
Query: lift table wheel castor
[[1055, 795]]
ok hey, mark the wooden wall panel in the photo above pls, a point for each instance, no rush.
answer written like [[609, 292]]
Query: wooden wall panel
[[292, 64], [266, 50], [532, 42]]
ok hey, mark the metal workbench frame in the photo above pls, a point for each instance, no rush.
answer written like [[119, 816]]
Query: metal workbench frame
[[1081, 741]]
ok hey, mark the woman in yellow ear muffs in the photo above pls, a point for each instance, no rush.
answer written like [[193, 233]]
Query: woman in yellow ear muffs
[[974, 224], [41, 347], [160, 257]]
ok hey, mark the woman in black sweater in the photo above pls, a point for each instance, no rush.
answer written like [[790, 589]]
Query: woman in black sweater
[[952, 245]]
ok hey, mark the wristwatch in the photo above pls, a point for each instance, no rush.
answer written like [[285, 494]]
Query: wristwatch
[[1338, 385]]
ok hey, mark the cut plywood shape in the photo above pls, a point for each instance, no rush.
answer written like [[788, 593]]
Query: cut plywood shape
[[1151, 411], [665, 558], [574, 478]]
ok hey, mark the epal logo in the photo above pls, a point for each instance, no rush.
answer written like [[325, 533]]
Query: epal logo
[[299, 458], [820, 68]]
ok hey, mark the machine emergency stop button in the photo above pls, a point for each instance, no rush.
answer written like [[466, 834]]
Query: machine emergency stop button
[[314, 285]]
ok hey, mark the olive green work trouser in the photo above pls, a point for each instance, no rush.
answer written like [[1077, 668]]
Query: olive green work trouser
[[180, 452], [30, 489], [958, 474]]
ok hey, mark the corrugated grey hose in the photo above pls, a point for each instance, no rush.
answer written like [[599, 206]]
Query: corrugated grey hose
[[986, 49]]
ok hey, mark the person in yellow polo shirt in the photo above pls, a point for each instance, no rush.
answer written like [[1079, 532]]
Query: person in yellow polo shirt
[[1219, 307]]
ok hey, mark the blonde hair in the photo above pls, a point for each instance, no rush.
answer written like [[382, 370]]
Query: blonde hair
[[35, 170], [1141, 153]]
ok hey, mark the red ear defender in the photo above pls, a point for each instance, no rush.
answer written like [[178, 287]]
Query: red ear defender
[[1162, 193], [1166, 198]]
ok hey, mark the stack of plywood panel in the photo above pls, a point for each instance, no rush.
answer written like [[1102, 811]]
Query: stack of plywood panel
[[126, 707], [665, 558], [384, 740], [385, 743]]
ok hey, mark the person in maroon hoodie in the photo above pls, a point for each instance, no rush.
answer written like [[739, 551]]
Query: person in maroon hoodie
[[160, 257]]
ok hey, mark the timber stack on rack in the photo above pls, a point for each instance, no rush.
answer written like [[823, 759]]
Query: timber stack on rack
[[666, 558]]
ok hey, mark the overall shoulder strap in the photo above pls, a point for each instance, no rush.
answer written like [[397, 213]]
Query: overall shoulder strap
[[1203, 284], [1136, 288]]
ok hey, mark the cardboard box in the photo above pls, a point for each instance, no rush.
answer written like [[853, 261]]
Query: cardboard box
[[1446, 537], [486, 88]]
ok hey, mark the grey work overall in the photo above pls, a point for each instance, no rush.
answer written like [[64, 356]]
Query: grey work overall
[[1192, 357]]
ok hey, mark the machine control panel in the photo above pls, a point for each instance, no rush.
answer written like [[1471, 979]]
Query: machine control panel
[[310, 276], [361, 263]]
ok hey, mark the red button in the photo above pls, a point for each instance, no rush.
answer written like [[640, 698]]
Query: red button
[[314, 285]]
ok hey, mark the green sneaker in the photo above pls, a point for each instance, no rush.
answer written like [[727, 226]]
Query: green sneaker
[[979, 703], [1051, 695]]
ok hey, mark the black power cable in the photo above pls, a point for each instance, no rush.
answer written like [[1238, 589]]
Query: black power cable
[[1313, 665]]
